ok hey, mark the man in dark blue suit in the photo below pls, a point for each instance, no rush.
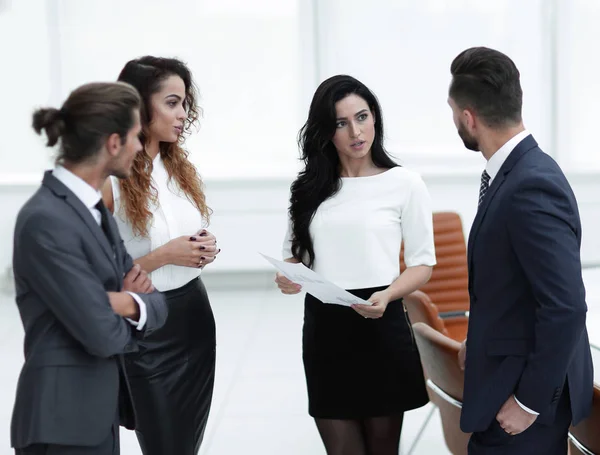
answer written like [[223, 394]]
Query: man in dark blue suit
[[528, 367]]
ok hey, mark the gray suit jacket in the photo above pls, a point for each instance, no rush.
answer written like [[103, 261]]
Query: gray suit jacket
[[72, 381]]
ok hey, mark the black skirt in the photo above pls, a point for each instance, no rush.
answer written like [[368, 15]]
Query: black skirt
[[358, 368], [172, 376]]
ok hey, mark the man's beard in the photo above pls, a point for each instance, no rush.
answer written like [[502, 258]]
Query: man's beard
[[120, 173], [469, 141]]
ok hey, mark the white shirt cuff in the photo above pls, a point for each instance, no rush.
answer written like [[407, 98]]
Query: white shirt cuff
[[142, 321], [523, 407]]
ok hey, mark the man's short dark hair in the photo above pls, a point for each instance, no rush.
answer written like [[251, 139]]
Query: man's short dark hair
[[488, 82]]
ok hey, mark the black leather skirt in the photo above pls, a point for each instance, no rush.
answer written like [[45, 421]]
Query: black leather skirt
[[172, 376]]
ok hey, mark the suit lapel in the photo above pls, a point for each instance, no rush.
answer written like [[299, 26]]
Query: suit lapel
[[524, 146], [62, 192]]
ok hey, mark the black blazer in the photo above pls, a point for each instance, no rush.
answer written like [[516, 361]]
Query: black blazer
[[527, 333], [68, 391]]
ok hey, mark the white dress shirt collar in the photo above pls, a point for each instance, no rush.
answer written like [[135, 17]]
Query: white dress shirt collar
[[86, 193], [497, 160]]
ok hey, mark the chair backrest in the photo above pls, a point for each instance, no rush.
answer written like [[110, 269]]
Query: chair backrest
[[448, 286], [420, 309], [587, 433], [439, 356]]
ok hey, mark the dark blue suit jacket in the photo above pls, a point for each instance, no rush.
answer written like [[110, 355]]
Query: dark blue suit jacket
[[527, 333]]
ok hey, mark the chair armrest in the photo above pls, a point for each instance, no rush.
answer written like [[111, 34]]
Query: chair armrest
[[421, 309], [454, 314]]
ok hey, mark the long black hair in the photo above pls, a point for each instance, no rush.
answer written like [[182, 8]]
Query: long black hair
[[321, 178]]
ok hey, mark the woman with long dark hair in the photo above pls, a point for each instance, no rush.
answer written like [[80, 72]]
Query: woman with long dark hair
[[350, 210], [162, 215]]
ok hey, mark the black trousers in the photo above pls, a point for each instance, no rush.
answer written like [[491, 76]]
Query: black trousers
[[537, 439], [110, 446]]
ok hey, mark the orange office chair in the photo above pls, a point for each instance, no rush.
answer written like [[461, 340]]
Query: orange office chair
[[448, 286], [421, 309], [439, 355], [584, 438]]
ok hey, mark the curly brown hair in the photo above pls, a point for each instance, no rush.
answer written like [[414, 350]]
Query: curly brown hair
[[138, 192]]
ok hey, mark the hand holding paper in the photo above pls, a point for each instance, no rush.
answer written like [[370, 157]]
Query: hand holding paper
[[314, 284], [286, 286], [377, 304]]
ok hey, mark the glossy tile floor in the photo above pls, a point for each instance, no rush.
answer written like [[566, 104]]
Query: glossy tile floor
[[260, 404]]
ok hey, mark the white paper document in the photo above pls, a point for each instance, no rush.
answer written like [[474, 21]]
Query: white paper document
[[314, 284]]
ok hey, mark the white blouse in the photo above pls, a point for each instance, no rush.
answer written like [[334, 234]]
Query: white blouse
[[173, 216], [357, 233]]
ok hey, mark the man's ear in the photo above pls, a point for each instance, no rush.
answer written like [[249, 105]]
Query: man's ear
[[113, 144], [470, 118]]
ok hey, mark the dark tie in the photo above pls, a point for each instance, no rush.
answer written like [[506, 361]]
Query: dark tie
[[104, 220], [485, 184]]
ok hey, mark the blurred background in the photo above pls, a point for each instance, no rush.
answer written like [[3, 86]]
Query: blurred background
[[256, 64]]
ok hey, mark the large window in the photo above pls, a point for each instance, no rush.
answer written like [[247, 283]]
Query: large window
[[245, 56], [402, 49], [26, 84], [257, 64], [578, 84]]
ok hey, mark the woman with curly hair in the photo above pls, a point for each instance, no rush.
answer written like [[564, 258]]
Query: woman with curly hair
[[162, 214]]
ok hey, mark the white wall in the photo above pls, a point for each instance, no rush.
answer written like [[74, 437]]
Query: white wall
[[250, 215]]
